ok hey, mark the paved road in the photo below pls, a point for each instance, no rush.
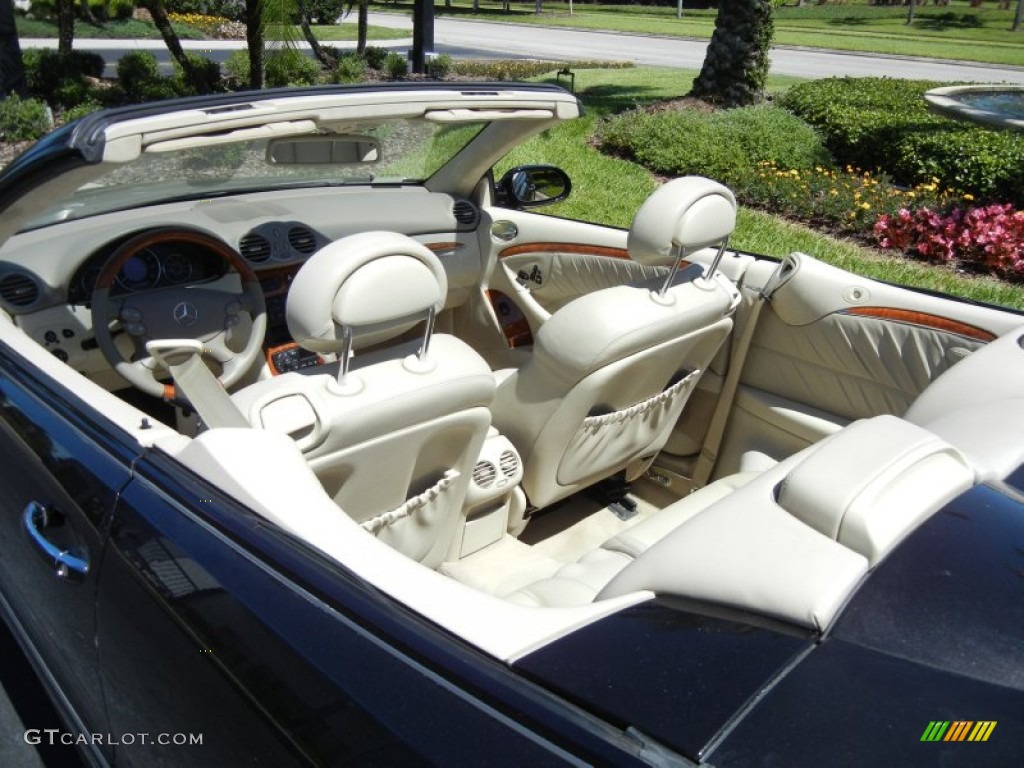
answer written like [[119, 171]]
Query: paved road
[[546, 42], [474, 39]]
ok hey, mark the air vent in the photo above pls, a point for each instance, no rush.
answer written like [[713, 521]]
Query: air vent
[[465, 213], [302, 240], [254, 248], [19, 290], [484, 474], [509, 463]]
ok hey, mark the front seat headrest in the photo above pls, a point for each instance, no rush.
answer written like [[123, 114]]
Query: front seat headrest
[[688, 213], [370, 287]]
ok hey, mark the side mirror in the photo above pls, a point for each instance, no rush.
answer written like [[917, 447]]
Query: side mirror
[[531, 186]]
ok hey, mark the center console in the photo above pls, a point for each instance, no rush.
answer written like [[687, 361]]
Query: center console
[[494, 501]]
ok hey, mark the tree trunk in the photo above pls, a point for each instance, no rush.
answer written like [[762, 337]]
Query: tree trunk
[[87, 13], [163, 24], [12, 70], [910, 12], [65, 26], [254, 41], [1018, 16], [322, 56], [363, 25], [736, 64]]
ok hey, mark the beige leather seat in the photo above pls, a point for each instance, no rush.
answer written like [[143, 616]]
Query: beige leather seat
[[611, 371], [792, 542], [391, 433]]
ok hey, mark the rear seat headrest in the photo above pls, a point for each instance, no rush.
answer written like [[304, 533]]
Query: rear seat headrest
[[873, 482]]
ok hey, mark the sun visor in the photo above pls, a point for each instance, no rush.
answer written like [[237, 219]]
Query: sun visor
[[485, 115]]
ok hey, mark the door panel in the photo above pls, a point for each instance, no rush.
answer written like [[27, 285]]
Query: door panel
[[214, 622], [831, 347], [61, 480], [557, 273], [184, 651], [536, 265]]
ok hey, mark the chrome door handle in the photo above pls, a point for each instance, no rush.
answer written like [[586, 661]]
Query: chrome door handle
[[65, 564]]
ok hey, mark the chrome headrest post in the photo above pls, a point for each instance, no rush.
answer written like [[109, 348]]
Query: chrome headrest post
[[680, 256], [345, 355], [718, 259], [427, 333]]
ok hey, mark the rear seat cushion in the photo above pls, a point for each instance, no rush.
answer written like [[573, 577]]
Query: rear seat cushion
[[747, 552], [637, 539], [575, 584], [580, 582], [792, 542]]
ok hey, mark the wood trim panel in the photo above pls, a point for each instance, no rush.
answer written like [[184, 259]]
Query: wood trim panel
[[513, 323], [442, 247], [585, 250], [271, 351], [923, 319]]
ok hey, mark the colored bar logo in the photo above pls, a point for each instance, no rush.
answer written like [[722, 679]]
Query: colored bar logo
[[959, 730]]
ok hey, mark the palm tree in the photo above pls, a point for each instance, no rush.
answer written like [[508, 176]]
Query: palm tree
[[65, 26], [162, 22], [12, 71], [736, 65], [263, 17], [321, 54]]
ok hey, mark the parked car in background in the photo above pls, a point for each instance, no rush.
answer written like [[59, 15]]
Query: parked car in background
[[322, 445]]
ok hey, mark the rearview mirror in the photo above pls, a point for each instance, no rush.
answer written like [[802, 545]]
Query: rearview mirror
[[531, 186], [323, 150]]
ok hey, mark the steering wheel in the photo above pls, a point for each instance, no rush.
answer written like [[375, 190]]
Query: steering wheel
[[211, 316]]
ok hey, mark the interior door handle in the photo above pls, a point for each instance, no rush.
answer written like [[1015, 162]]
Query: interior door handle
[[38, 516]]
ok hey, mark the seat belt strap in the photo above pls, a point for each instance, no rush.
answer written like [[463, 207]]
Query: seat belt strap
[[720, 418], [206, 395], [183, 358]]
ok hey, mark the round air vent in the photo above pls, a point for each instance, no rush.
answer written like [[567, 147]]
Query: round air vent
[[302, 240], [484, 474], [255, 248], [509, 463], [465, 213], [19, 290]]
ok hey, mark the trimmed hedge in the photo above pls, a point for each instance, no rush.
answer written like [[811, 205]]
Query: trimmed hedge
[[882, 123], [23, 119], [61, 79], [290, 67], [728, 145]]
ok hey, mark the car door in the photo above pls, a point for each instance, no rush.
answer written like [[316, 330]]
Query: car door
[[538, 264], [227, 642], [831, 347], [62, 472]]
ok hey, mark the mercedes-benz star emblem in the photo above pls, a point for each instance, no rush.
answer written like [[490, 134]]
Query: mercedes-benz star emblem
[[185, 313]]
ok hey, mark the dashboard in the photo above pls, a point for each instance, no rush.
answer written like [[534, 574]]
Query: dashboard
[[47, 275], [161, 265]]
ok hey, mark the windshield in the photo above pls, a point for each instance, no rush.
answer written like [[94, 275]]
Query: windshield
[[407, 152]]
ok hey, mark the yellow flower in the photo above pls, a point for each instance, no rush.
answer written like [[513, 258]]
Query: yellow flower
[[968, 198]]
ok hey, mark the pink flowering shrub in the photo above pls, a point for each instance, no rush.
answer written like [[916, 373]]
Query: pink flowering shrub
[[991, 237]]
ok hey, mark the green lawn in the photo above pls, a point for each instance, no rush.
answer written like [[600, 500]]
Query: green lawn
[[955, 31], [140, 30], [608, 190]]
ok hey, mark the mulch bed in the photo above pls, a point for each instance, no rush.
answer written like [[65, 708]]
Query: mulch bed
[[11, 149]]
